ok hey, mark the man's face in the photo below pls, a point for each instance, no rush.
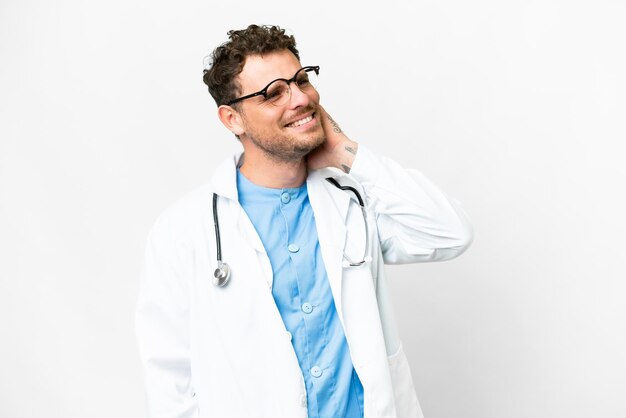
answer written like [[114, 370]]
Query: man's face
[[271, 128]]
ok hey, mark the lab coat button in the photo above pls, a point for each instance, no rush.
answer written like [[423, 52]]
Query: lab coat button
[[289, 335], [307, 308], [285, 198], [303, 401], [294, 248], [316, 371]]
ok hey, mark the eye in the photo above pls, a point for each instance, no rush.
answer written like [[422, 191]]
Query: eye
[[272, 94], [303, 80], [277, 90]]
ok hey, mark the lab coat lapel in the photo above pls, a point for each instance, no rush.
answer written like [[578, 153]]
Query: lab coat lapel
[[224, 182], [330, 206]]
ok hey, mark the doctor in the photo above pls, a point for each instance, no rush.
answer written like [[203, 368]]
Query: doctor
[[263, 293]]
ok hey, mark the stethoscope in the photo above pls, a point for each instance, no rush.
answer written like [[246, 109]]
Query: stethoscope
[[221, 275]]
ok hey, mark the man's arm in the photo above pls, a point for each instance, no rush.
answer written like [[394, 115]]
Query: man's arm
[[416, 221], [162, 326]]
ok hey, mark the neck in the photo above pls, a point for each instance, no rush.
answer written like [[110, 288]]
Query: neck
[[265, 171]]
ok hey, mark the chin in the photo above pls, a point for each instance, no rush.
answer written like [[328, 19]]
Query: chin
[[315, 141]]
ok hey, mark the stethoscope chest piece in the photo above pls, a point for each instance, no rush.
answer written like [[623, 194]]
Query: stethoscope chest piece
[[221, 275]]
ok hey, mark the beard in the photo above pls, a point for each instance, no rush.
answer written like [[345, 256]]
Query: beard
[[282, 147]]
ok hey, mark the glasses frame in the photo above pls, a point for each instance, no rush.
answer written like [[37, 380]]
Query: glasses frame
[[263, 92]]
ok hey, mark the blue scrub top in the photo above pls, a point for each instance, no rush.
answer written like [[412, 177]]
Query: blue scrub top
[[284, 220]]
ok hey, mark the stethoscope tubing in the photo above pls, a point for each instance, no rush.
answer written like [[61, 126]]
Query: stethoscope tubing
[[356, 193], [221, 275], [216, 225]]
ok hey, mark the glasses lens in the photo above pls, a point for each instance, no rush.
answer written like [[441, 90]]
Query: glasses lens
[[305, 78], [278, 93]]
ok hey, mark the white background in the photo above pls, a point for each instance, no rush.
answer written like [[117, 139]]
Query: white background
[[516, 108]]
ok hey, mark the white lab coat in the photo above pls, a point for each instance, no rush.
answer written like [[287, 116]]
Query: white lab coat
[[211, 352]]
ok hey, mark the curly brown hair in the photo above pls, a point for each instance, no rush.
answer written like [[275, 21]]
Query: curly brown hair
[[228, 59]]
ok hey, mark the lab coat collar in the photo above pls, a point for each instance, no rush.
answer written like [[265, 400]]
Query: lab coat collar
[[224, 180]]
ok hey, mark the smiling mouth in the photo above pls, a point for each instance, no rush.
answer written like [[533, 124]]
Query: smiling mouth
[[301, 122]]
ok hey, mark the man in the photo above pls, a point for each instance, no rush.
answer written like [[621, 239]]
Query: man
[[293, 319]]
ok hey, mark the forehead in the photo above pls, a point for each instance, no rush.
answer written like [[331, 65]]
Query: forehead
[[260, 70]]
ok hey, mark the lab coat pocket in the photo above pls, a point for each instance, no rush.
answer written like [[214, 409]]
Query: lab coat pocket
[[407, 405]]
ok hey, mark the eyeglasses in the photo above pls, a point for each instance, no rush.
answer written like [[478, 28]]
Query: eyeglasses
[[278, 92]]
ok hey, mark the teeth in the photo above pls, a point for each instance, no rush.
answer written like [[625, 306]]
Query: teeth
[[301, 122]]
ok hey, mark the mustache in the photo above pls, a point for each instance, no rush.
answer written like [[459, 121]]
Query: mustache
[[300, 113]]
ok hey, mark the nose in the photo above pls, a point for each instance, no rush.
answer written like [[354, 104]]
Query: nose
[[298, 97]]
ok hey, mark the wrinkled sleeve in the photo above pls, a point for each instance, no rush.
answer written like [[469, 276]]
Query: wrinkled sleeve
[[416, 221], [162, 327]]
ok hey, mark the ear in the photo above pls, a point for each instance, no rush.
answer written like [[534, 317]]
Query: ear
[[231, 119]]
